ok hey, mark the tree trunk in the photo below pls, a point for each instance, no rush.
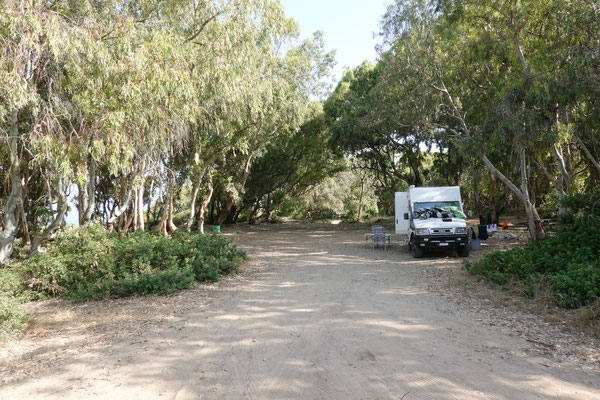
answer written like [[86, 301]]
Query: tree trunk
[[475, 175], [535, 226], [224, 213], [9, 231], [22, 222], [162, 225], [139, 224], [87, 195], [123, 204], [360, 200], [125, 221], [82, 201], [149, 204], [194, 199], [205, 203], [61, 210], [252, 216], [500, 208], [493, 198], [170, 223], [595, 162]]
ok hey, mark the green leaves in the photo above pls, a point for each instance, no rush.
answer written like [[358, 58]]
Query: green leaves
[[569, 259], [91, 263]]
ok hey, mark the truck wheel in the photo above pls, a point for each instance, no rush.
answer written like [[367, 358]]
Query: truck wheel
[[417, 252], [463, 251]]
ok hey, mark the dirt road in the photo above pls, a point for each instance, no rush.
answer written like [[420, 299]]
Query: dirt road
[[318, 315]]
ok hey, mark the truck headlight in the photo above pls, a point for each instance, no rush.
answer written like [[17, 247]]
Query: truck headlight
[[422, 231], [460, 231]]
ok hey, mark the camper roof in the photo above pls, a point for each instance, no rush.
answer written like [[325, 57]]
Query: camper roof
[[429, 194]]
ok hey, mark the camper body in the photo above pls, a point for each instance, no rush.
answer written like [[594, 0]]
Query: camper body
[[432, 217]]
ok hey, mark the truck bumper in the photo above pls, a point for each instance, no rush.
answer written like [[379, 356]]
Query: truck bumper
[[432, 241]]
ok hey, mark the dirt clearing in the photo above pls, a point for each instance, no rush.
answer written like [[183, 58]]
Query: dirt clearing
[[315, 315]]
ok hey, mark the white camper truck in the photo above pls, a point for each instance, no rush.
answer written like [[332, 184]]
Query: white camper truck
[[432, 217]]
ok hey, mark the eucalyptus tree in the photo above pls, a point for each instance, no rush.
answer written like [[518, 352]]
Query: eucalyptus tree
[[141, 100], [221, 47], [489, 62], [291, 165], [374, 116], [32, 109], [281, 84]]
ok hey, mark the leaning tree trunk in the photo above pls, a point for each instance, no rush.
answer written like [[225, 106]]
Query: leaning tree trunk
[[7, 235], [595, 161], [535, 226]]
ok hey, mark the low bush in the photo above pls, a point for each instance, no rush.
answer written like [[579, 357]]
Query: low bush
[[12, 316], [91, 263], [569, 260]]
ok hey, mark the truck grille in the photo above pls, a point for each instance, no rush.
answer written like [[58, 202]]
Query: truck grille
[[442, 231]]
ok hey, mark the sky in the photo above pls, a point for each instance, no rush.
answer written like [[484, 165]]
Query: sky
[[349, 26]]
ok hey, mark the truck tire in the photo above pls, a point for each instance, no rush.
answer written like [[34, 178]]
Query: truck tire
[[417, 252], [463, 251]]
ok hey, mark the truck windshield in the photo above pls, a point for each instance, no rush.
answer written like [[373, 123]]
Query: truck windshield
[[452, 206]]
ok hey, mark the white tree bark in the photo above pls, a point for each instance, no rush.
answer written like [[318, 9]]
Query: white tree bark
[[525, 192], [588, 154], [194, 198], [140, 225], [7, 235]]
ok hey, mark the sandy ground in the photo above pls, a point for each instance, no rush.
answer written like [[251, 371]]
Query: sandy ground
[[316, 314]]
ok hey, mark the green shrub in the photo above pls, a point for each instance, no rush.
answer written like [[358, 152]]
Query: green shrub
[[91, 263], [12, 317], [570, 259]]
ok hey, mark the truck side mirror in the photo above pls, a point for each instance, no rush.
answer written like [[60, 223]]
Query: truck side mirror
[[469, 214], [405, 215]]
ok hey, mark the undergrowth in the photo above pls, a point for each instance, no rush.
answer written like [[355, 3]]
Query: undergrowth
[[566, 264], [91, 263]]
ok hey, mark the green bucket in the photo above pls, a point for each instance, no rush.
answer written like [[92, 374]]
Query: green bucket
[[217, 228]]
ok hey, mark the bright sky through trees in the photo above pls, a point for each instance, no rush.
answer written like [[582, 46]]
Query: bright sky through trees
[[349, 26]]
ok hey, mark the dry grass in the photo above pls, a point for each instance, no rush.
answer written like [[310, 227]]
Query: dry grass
[[542, 304], [588, 318], [571, 334]]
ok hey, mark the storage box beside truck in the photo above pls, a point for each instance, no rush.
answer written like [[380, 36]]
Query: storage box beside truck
[[432, 217]]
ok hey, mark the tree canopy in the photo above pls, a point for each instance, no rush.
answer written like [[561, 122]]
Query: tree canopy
[[163, 115], [125, 104]]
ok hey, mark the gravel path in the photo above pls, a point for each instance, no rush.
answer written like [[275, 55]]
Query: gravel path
[[316, 315]]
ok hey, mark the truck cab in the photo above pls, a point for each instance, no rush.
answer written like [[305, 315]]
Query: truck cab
[[432, 217]]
